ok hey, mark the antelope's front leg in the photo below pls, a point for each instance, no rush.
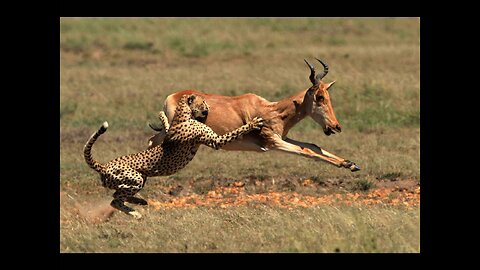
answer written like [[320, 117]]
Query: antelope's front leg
[[312, 151], [343, 162]]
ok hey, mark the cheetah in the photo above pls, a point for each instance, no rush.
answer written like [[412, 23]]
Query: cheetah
[[199, 109], [127, 174]]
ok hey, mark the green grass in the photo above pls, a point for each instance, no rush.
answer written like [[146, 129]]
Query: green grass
[[133, 45], [363, 185], [121, 69], [246, 229], [197, 48]]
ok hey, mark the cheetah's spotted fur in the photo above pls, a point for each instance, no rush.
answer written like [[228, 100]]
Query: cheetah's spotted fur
[[127, 174]]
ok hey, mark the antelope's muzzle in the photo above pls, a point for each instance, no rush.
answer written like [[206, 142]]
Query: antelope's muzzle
[[329, 130]]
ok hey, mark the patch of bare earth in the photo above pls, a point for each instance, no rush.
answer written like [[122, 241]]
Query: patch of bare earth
[[91, 212], [275, 192], [287, 193]]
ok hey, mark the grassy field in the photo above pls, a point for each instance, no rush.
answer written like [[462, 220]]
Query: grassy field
[[121, 70]]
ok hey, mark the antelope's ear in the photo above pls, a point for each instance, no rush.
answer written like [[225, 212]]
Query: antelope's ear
[[330, 84], [311, 91]]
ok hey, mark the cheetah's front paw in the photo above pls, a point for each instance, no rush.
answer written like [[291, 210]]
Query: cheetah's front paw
[[215, 146], [257, 123]]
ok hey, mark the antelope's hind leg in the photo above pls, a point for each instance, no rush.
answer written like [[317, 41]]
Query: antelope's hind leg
[[158, 138]]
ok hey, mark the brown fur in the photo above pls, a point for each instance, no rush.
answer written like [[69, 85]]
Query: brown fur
[[280, 117]]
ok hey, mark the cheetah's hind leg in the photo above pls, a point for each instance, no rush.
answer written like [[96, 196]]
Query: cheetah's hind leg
[[136, 200], [120, 205], [126, 192]]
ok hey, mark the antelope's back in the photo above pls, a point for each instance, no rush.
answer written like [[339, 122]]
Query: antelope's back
[[226, 113]]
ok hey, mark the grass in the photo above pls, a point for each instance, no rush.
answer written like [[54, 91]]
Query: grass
[[121, 70], [197, 48], [247, 229], [363, 185], [133, 45]]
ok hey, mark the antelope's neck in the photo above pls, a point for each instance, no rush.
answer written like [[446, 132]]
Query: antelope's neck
[[291, 111]]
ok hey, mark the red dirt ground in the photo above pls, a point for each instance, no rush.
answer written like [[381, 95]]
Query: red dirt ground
[[235, 196], [283, 193]]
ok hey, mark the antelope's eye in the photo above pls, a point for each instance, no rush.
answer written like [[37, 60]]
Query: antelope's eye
[[320, 99]]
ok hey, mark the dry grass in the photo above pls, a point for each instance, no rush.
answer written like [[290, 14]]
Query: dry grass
[[249, 229], [121, 70]]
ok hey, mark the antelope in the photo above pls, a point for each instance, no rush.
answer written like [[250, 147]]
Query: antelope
[[228, 112]]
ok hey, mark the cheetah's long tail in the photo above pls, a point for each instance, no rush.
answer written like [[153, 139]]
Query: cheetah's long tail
[[87, 149]]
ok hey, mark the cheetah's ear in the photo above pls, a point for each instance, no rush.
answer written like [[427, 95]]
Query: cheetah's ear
[[190, 99]]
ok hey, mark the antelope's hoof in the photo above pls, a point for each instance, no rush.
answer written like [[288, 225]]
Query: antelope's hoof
[[352, 166]]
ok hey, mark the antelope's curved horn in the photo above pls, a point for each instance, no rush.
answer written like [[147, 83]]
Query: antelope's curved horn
[[325, 70], [312, 73]]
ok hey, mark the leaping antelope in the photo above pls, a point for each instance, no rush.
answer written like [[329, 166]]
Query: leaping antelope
[[228, 112]]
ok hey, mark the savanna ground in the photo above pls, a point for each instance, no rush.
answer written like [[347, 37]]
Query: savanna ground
[[121, 70]]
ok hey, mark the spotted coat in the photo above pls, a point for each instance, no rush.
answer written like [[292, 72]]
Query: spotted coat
[[127, 174]]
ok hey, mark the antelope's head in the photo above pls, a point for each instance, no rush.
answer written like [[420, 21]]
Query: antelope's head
[[318, 102]]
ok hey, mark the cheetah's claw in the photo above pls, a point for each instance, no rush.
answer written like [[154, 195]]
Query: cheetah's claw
[[257, 123]]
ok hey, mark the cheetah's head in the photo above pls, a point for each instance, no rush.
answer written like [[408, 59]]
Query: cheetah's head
[[199, 107]]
